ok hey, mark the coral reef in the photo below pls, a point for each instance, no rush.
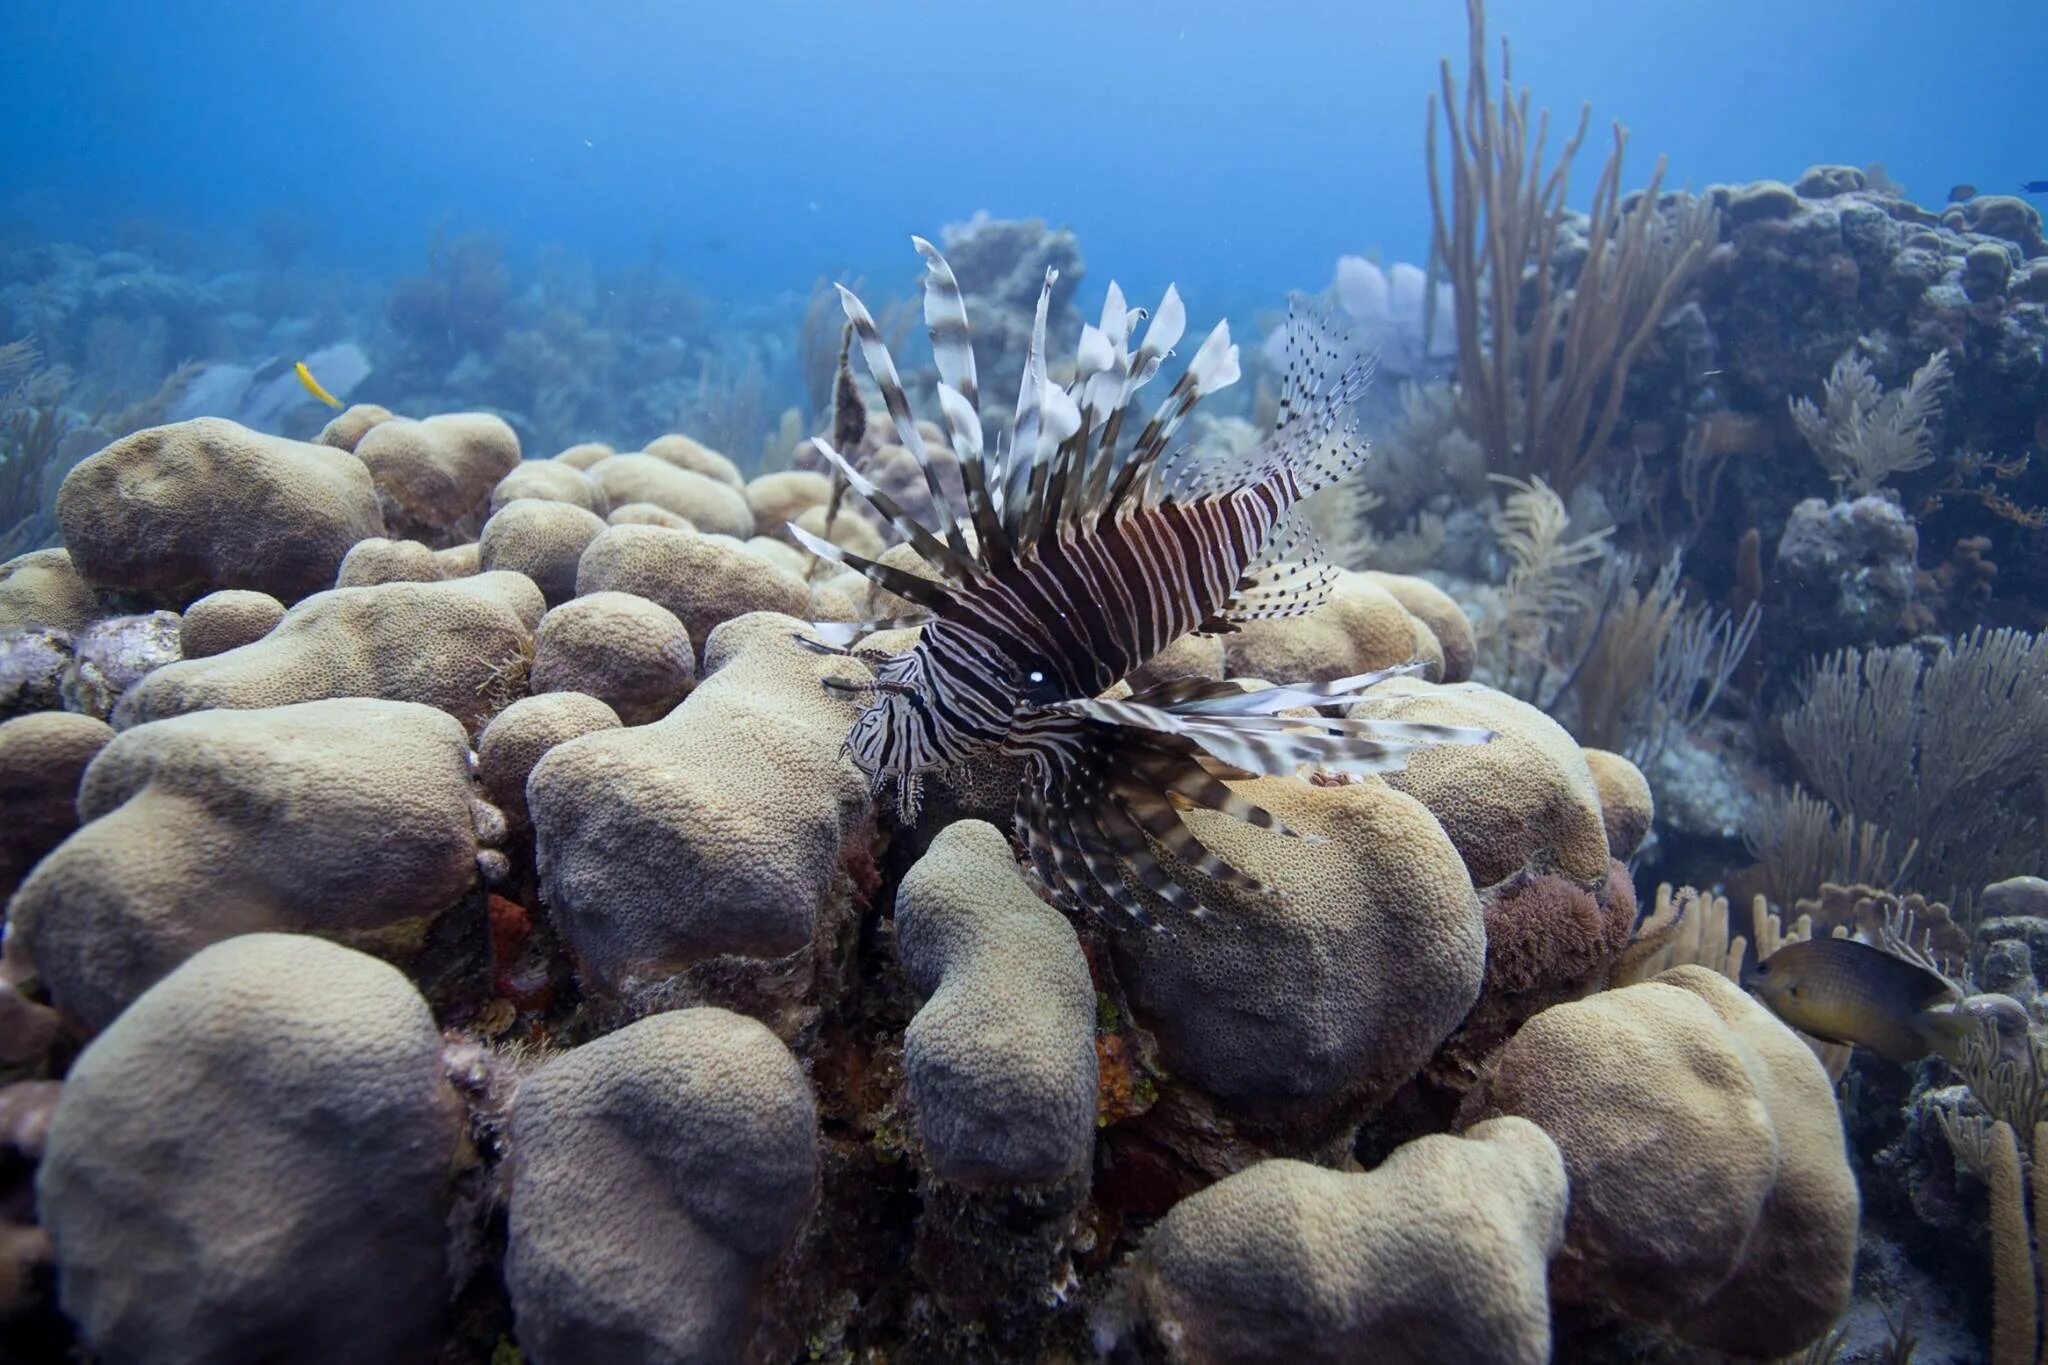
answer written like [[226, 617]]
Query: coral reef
[[739, 798], [543, 540], [43, 757], [228, 619], [703, 579], [628, 652], [1000, 1059], [1709, 1189]]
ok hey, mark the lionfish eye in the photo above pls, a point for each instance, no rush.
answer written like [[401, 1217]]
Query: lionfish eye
[[1037, 676]]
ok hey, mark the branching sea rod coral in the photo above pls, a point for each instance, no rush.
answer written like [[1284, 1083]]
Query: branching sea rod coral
[[1542, 381]]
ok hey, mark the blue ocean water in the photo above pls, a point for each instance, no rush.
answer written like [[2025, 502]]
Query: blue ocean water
[[1236, 148]]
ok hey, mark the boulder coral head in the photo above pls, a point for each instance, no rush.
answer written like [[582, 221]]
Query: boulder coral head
[[177, 511], [1711, 1193], [253, 1164], [367, 642], [659, 1173], [1001, 1056], [434, 477], [716, 830], [331, 817], [1437, 1255]]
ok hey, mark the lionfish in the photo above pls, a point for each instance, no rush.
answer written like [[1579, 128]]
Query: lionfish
[[1088, 556]]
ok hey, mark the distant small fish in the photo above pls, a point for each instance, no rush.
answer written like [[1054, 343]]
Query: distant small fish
[[1958, 193], [1843, 991], [313, 386], [2034, 187]]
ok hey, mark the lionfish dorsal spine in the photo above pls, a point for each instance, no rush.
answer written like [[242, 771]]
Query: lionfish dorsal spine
[[883, 369]]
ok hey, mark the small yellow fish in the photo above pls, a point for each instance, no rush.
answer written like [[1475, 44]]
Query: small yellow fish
[[1843, 991], [313, 386]]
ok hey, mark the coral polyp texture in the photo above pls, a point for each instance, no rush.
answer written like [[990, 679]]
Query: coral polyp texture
[[326, 817], [179, 511], [1438, 1254], [434, 477], [253, 1164], [1000, 1058], [717, 830], [364, 642], [1710, 1190], [659, 1176]]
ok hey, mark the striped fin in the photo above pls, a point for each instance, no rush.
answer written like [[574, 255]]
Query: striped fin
[[963, 424], [1280, 746], [1019, 462], [1292, 578], [942, 557], [1316, 437], [876, 352], [1113, 779], [945, 316], [932, 596], [1215, 366], [844, 633]]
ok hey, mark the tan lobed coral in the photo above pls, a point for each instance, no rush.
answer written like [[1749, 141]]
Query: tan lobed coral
[[346, 429], [181, 510], [647, 514], [1523, 800], [41, 588], [331, 817], [1361, 627], [685, 452], [225, 620], [1627, 808], [380, 560], [628, 652], [1437, 1255], [659, 1174], [718, 829], [1435, 608], [1710, 1190], [707, 503], [367, 642], [459, 561], [703, 579], [550, 481], [1339, 989], [784, 556], [850, 531], [1000, 1058], [515, 740], [543, 540], [253, 1164], [780, 498], [584, 454], [42, 758], [434, 477]]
